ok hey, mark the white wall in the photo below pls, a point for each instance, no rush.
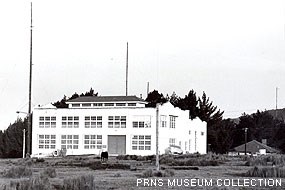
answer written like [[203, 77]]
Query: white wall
[[180, 132]]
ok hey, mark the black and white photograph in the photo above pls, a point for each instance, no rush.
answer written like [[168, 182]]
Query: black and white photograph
[[132, 94]]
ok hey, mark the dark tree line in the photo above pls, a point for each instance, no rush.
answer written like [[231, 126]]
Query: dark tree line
[[62, 102], [11, 139]]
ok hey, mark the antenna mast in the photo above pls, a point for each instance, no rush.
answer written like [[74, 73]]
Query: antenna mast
[[127, 67], [30, 88], [276, 102]]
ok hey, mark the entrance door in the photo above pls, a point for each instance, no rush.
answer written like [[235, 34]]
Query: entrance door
[[117, 144]]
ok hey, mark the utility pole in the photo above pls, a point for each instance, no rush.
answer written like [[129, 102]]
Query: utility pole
[[147, 89], [276, 98], [157, 133], [245, 139], [24, 142], [29, 135], [127, 68]]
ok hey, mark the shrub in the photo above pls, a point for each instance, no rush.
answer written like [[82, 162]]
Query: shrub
[[17, 172], [168, 173], [49, 172], [100, 166], [264, 160], [150, 173], [31, 184], [266, 172], [147, 173], [85, 182]]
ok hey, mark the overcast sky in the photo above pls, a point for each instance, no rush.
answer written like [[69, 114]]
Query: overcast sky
[[232, 50]]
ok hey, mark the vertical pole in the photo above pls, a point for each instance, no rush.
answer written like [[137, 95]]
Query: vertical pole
[[127, 67], [30, 89], [147, 89], [276, 94], [24, 142], [157, 127], [245, 140]]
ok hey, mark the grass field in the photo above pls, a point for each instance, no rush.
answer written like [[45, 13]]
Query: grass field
[[128, 172]]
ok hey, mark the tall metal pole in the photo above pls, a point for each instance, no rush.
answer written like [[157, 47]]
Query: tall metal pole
[[157, 133], [127, 67], [24, 142], [276, 98], [147, 89], [30, 88], [245, 139]]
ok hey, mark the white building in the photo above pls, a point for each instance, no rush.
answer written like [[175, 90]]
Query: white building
[[120, 124]]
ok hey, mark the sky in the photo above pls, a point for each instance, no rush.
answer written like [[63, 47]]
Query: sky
[[232, 50]]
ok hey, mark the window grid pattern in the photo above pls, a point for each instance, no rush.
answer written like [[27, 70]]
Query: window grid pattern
[[141, 142], [163, 121], [93, 122], [47, 122], [172, 122], [47, 141], [92, 141], [117, 121], [142, 122], [69, 141], [171, 141], [70, 122]]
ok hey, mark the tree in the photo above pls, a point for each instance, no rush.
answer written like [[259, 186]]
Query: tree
[[155, 97], [62, 102], [174, 99], [220, 136], [189, 102], [207, 112]]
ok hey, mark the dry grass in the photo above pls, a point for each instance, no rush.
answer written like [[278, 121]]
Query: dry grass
[[85, 182], [265, 172], [120, 179], [171, 160], [264, 160], [18, 172]]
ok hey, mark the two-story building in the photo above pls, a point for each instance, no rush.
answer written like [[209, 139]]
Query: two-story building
[[120, 124]]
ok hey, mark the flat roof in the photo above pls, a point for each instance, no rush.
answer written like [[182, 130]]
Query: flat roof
[[91, 99]]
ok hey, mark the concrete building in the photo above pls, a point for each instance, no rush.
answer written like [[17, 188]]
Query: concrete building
[[120, 124]]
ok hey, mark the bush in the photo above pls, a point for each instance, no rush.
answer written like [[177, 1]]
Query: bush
[[264, 160], [100, 166], [147, 173], [17, 172], [150, 173], [170, 160], [31, 184], [266, 172], [49, 172], [85, 182]]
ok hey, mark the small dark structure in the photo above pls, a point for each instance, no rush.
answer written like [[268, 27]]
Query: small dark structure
[[104, 156]]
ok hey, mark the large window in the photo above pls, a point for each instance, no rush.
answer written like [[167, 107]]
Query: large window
[[172, 122], [163, 120], [69, 141], [141, 122], [70, 122], [47, 122], [93, 122], [117, 121], [141, 142], [172, 141], [47, 141], [93, 141]]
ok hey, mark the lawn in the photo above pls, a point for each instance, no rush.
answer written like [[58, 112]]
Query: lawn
[[179, 172]]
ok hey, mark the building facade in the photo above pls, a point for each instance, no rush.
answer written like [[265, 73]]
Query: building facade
[[119, 124]]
